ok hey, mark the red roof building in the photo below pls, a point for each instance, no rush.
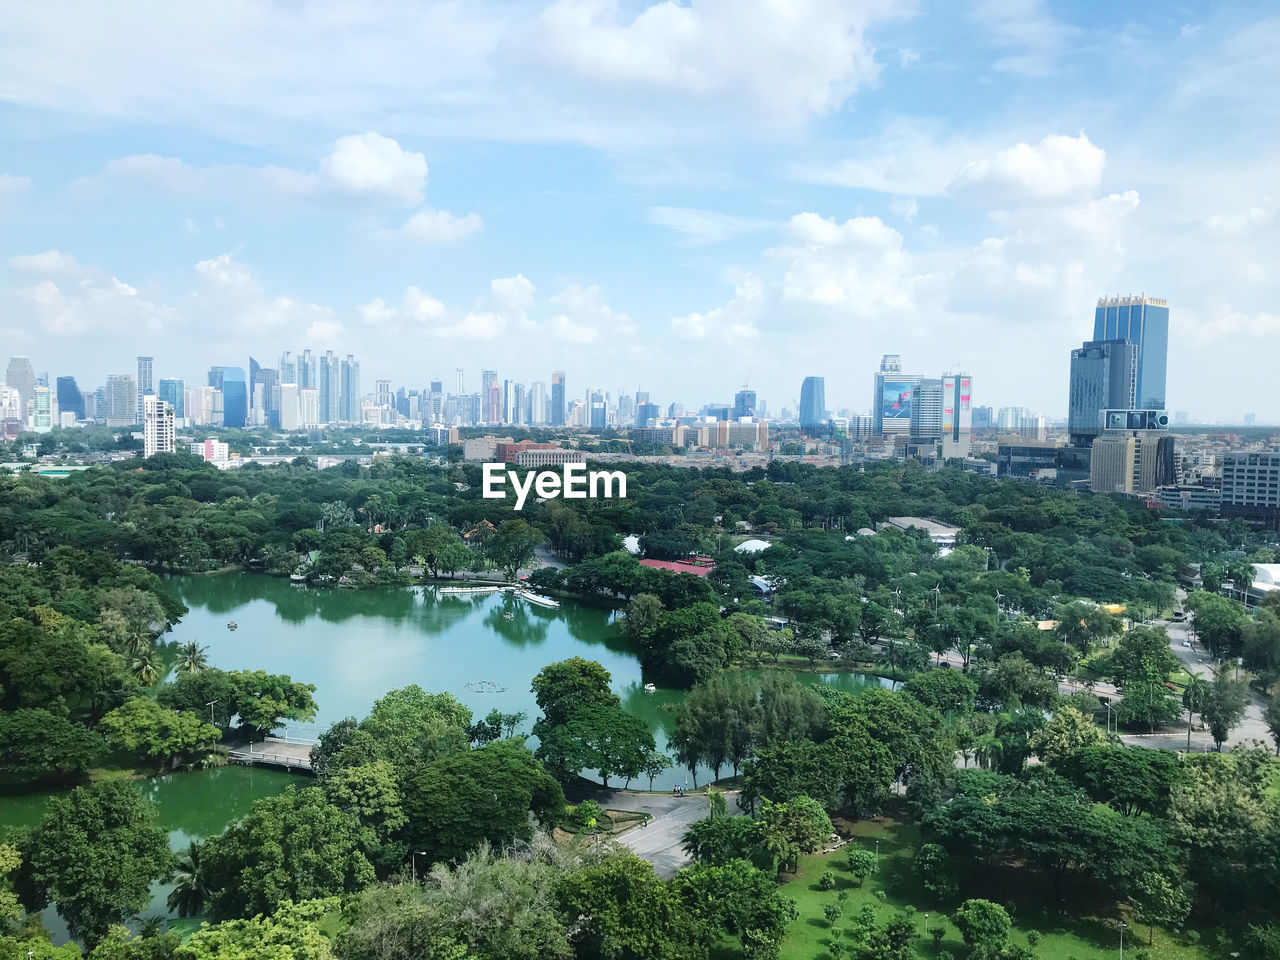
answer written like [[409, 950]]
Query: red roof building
[[698, 566]]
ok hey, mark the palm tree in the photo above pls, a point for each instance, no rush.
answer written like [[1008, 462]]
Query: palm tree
[[188, 896], [192, 657], [1194, 697], [146, 667], [137, 643]]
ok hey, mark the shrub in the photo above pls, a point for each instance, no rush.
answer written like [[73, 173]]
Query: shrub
[[827, 881]]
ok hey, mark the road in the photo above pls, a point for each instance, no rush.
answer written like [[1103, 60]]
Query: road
[[1197, 661], [660, 839]]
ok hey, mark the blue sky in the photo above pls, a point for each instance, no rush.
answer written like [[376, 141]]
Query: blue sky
[[674, 195]]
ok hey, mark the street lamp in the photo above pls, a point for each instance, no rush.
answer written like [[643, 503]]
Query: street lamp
[[877, 854], [413, 863], [1122, 929]]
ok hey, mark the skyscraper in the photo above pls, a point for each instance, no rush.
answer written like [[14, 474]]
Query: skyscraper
[[121, 400], [1104, 376], [230, 382], [1144, 322], [266, 395], [538, 403], [597, 409], [69, 397], [350, 389], [308, 407], [287, 403], [44, 409], [813, 402], [157, 426], [288, 368], [744, 403], [492, 400], [891, 402], [22, 377], [557, 399], [146, 381], [329, 389], [957, 415], [173, 392], [254, 367], [926, 409]]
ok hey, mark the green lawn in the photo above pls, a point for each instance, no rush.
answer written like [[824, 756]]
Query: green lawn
[[1077, 938]]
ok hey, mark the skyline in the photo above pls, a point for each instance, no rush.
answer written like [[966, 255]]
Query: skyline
[[583, 186]]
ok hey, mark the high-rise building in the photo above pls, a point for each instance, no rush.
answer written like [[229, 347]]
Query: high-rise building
[[254, 367], [813, 402], [957, 415], [329, 388], [520, 405], [120, 400], [288, 368], [382, 393], [1104, 376], [891, 403], [349, 388], [265, 395], [70, 399], [596, 408], [491, 396], [146, 381], [290, 415], [173, 392], [44, 409], [926, 409], [230, 383], [307, 372], [1133, 454], [558, 411], [538, 403], [1144, 322], [1251, 486], [744, 403], [646, 414], [308, 407], [157, 426], [22, 377]]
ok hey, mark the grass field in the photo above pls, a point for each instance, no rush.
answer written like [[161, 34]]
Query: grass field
[[1075, 938]]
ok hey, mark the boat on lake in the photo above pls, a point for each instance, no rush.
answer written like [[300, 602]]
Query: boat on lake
[[232, 625], [539, 600]]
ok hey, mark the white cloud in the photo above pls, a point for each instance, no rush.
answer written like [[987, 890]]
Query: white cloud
[[1241, 224], [859, 264], [1055, 168], [324, 333], [703, 226], [11, 185], [908, 57], [512, 294], [476, 325], [1216, 321], [785, 62], [734, 322], [49, 262], [439, 226], [92, 302], [231, 293], [585, 315], [371, 165], [365, 168], [904, 207], [1031, 39]]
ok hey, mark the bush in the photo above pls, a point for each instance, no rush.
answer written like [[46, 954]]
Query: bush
[[585, 815], [1034, 937], [832, 912], [827, 881]]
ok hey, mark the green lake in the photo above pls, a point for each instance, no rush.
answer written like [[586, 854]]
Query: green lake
[[355, 645]]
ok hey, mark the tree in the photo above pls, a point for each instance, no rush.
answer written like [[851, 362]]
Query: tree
[[643, 616], [144, 727], [1083, 624], [569, 685], [1218, 623], [187, 898], [512, 545], [1067, 732], [934, 868], [1224, 707], [623, 911], [263, 699], [1271, 717], [789, 829], [1194, 697], [193, 658], [717, 840], [654, 762], [862, 863], [94, 854], [1157, 899], [291, 931], [36, 743], [461, 800], [984, 926], [739, 899], [1132, 780], [947, 691], [293, 846]]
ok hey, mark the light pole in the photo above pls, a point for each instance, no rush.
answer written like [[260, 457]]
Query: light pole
[[1108, 705], [413, 863], [210, 706], [1122, 926], [877, 855]]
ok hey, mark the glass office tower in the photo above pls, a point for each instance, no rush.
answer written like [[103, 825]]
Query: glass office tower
[[813, 402], [1144, 322]]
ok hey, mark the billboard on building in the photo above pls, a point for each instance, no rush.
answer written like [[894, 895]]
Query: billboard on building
[[895, 399]]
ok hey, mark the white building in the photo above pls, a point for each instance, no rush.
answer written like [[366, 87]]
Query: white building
[[157, 425], [211, 451], [44, 409], [308, 407], [288, 405]]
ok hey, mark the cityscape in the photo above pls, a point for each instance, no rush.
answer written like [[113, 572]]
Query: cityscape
[[640, 480]]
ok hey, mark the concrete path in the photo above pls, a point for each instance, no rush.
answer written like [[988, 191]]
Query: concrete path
[[659, 840]]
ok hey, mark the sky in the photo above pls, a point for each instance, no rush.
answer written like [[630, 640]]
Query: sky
[[680, 197]]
